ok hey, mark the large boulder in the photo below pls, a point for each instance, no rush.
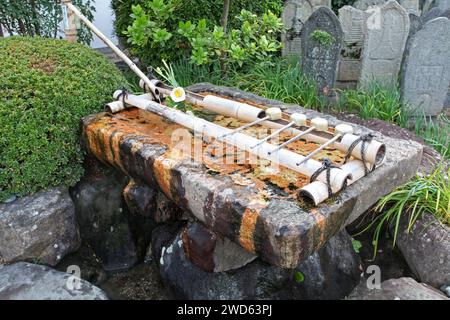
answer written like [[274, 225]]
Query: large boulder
[[26, 281], [329, 274], [426, 249], [41, 227], [100, 210], [397, 289]]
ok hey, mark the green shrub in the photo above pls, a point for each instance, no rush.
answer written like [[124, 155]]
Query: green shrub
[[285, 82], [254, 42], [377, 101], [46, 86], [429, 194], [193, 10]]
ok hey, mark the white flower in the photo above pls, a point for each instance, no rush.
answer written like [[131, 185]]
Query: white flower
[[178, 94]]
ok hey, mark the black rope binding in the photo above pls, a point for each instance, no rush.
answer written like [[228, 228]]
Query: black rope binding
[[123, 95], [364, 139], [327, 165]]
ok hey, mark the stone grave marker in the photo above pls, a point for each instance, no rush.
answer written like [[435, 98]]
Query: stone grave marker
[[385, 39], [353, 22], [442, 4], [411, 6], [415, 24], [295, 14], [433, 13], [426, 77], [321, 42]]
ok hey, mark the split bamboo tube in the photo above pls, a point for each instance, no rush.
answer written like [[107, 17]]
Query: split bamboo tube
[[283, 157], [116, 50], [375, 151], [317, 191]]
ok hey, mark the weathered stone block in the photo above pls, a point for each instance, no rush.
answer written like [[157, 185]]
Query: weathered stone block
[[397, 289], [41, 227], [26, 281], [280, 230], [100, 210], [427, 250]]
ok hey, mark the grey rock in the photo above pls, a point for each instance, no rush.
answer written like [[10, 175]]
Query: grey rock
[[433, 13], [442, 4], [10, 199], [447, 99], [40, 227], [26, 281], [329, 274], [427, 250], [426, 76], [446, 14], [446, 290], [211, 252], [397, 289], [100, 210], [295, 14], [320, 59], [387, 32]]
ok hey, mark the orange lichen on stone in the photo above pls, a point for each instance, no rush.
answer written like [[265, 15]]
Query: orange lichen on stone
[[105, 136], [162, 170], [247, 230]]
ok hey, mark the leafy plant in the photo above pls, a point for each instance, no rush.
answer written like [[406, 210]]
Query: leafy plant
[[429, 194], [356, 245], [192, 10], [284, 81], [299, 277], [46, 86], [435, 134], [323, 37], [41, 17], [254, 42], [377, 101]]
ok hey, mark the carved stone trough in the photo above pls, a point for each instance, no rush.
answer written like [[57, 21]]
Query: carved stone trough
[[240, 206]]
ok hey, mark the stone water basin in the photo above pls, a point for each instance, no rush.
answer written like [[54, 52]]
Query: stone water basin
[[251, 204]]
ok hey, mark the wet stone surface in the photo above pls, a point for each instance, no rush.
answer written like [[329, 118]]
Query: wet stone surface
[[255, 209]]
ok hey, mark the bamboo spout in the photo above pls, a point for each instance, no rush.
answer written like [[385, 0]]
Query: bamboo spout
[[242, 141]]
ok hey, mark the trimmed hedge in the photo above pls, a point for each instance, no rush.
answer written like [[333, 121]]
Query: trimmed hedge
[[46, 86]]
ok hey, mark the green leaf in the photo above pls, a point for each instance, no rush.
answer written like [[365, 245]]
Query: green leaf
[[356, 245], [299, 277]]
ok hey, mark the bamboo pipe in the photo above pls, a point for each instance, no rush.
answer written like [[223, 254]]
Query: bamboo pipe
[[317, 191], [117, 51], [340, 131], [284, 157], [375, 151]]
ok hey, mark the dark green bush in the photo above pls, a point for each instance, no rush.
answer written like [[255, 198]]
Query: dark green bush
[[46, 86], [193, 10]]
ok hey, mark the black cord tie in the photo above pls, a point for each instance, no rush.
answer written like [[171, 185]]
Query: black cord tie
[[364, 139], [123, 95], [327, 165]]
